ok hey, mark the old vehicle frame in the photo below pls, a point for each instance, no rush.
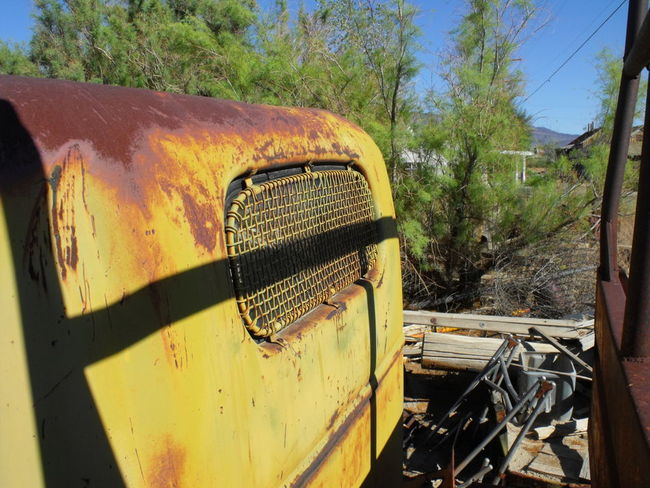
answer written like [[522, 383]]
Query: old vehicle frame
[[124, 357]]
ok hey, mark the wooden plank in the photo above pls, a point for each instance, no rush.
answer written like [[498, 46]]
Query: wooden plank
[[410, 330], [560, 459], [479, 350], [463, 353], [453, 364], [493, 318], [451, 354], [565, 329], [454, 356], [485, 344], [412, 351], [587, 341]]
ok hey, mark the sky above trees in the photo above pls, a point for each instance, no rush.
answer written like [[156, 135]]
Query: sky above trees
[[459, 107], [566, 104]]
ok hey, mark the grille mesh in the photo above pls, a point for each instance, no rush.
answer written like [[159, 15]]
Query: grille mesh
[[295, 241]]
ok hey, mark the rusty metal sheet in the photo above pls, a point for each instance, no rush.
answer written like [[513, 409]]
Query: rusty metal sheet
[[619, 426]]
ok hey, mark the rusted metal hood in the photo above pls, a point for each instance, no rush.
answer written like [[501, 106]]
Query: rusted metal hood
[[117, 121]]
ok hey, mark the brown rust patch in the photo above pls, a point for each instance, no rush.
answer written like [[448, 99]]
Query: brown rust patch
[[167, 466], [201, 217], [198, 205], [72, 256], [54, 181], [339, 309], [162, 308], [114, 119], [35, 249], [333, 418], [66, 180]]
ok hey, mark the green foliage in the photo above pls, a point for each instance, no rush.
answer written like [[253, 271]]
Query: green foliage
[[474, 208], [594, 166], [190, 46], [353, 57], [479, 120], [452, 183], [14, 60], [609, 74], [609, 69]]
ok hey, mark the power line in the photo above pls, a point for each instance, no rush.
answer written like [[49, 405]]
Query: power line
[[575, 52], [587, 28]]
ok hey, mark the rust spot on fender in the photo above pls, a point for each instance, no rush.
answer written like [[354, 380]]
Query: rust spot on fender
[[340, 308], [54, 181], [72, 255], [116, 118], [333, 418], [37, 241], [65, 181], [201, 217], [167, 465]]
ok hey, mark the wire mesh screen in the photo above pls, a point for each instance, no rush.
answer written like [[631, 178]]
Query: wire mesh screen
[[295, 241]]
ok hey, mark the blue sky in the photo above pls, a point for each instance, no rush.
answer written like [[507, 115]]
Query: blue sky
[[566, 104]]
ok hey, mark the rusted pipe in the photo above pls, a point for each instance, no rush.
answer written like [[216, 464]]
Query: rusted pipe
[[639, 55], [619, 149], [636, 326]]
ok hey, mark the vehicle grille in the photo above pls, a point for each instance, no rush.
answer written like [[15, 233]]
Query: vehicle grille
[[295, 241]]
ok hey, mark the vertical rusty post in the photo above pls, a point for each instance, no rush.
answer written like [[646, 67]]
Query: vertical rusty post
[[636, 327], [623, 119]]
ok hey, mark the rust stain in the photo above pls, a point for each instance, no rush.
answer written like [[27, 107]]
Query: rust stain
[[54, 185], [264, 147], [83, 187], [91, 111], [201, 218], [381, 278], [72, 256], [171, 349], [34, 259], [63, 186], [339, 309], [166, 467], [333, 418], [160, 300], [200, 209]]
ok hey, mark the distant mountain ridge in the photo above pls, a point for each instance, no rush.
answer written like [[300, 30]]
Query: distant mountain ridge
[[544, 137]]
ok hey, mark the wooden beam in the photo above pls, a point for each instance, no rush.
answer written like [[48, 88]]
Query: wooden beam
[[463, 353], [564, 329]]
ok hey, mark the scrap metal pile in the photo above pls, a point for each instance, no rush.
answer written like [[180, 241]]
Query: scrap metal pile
[[505, 426]]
